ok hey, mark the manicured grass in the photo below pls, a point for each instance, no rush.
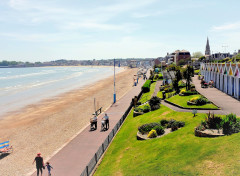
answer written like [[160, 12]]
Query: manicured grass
[[178, 153], [182, 101], [159, 94], [147, 96]]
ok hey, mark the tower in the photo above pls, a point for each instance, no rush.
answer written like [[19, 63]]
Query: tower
[[207, 51]]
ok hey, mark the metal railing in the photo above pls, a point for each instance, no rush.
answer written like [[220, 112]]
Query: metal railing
[[91, 165]]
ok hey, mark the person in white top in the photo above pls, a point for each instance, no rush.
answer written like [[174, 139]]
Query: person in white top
[[106, 119], [93, 122]]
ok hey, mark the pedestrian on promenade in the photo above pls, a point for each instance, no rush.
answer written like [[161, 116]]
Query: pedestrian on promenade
[[49, 167], [106, 118], [39, 163], [93, 122]]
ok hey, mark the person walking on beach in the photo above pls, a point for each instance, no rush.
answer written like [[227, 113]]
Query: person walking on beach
[[106, 118], [39, 163], [49, 167]]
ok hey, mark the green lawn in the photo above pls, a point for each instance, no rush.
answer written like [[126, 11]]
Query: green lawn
[[147, 96], [159, 94], [182, 101], [178, 153]]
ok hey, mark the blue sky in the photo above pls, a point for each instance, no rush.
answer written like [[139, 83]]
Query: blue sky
[[42, 30]]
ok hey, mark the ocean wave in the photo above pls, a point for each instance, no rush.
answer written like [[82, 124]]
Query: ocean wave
[[27, 75]]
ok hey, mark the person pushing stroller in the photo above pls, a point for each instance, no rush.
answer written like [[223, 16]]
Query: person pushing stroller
[[105, 122]]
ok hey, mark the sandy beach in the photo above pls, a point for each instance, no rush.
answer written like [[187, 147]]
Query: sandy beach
[[45, 127]]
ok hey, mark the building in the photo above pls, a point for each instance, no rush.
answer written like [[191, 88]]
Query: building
[[181, 57], [226, 77]]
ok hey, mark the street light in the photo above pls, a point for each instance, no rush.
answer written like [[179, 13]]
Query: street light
[[114, 93]]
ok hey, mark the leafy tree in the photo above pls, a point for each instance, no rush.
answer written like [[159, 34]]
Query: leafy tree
[[197, 54], [187, 75]]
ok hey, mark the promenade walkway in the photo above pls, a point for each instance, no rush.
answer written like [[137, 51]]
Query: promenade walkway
[[227, 103], [72, 159]]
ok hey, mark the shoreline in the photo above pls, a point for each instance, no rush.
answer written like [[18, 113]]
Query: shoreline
[[47, 126], [17, 107]]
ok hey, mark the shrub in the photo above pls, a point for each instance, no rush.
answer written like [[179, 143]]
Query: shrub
[[180, 124], [212, 121], [164, 122], [147, 127], [159, 130], [146, 86], [174, 126], [154, 103], [202, 101], [152, 134], [170, 123], [137, 109], [161, 88], [182, 91], [230, 124], [189, 92], [194, 99], [146, 108]]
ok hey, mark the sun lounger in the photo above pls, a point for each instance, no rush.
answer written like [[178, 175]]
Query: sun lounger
[[5, 148]]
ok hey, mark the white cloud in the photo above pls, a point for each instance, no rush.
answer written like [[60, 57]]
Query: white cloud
[[226, 27]]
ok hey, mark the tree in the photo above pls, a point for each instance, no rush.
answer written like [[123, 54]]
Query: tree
[[187, 74], [197, 54]]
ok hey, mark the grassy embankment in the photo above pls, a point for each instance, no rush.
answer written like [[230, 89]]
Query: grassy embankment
[[146, 96], [178, 153]]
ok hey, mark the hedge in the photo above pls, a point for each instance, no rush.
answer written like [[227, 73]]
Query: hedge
[[146, 86]]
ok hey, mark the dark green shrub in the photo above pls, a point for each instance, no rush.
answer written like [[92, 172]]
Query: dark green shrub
[[212, 121], [164, 122], [230, 124], [146, 86], [202, 101], [174, 126], [180, 124], [189, 92], [146, 108], [170, 123], [159, 130], [147, 127], [154, 103], [137, 109]]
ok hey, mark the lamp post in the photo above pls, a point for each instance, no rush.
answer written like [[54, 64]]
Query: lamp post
[[114, 93]]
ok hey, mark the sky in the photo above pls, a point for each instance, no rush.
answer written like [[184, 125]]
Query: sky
[[44, 30]]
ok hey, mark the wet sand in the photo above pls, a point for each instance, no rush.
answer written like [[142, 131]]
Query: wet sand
[[45, 127]]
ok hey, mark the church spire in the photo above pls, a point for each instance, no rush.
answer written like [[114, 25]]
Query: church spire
[[207, 51]]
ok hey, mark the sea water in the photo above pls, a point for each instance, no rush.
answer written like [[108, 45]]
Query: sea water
[[20, 87]]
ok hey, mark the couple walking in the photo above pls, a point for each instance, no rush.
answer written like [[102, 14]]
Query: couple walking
[[104, 122], [40, 164]]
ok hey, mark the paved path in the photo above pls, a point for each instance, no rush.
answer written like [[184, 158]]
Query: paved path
[[227, 103], [73, 158], [156, 90]]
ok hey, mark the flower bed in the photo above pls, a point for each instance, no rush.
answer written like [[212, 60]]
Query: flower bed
[[153, 130], [218, 126]]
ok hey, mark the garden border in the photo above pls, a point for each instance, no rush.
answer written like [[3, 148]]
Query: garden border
[[191, 108]]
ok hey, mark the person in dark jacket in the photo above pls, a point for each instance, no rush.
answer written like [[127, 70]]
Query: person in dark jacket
[[39, 163]]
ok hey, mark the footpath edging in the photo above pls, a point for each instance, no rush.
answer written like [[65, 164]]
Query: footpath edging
[[102, 149]]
